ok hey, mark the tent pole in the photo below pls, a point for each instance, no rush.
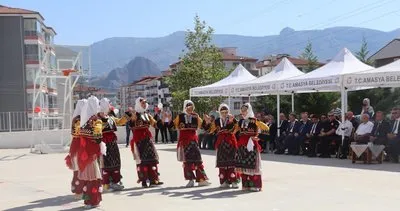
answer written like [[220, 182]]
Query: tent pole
[[249, 99], [292, 102], [278, 112], [229, 100], [343, 107]]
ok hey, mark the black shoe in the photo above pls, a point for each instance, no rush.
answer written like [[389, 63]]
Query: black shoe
[[127, 145], [144, 184], [152, 184], [324, 156], [312, 155]]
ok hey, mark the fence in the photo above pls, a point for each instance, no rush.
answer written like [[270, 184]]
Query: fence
[[22, 121]]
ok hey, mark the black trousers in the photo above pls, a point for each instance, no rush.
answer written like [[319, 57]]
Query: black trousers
[[128, 133], [290, 143], [166, 127], [393, 149], [312, 148], [325, 143], [345, 146]]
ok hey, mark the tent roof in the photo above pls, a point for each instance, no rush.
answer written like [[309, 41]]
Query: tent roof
[[327, 77], [263, 85], [284, 70], [343, 63], [239, 75]]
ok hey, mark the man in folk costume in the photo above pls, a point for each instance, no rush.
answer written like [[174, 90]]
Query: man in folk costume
[[226, 147], [90, 150], [142, 145], [72, 159], [248, 159], [111, 169], [188, 150]]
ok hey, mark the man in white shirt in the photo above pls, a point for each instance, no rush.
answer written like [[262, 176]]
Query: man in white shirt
[[364, 130], [394, 136], [345, 129]]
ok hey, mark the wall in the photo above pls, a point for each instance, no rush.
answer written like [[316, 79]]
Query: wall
[[24, 139], [12, 64]]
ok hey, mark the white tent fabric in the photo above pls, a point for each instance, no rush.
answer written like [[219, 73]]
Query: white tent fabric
[[266, 83], [385, 76], [222, 87], [327, 77]]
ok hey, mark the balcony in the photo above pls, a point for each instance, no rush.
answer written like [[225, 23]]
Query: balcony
[[31, 59], [33, 35]]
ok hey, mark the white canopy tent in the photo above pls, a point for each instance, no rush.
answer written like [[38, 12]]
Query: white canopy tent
[[221, 88], [265, 84], [385, 76], [329, 77]]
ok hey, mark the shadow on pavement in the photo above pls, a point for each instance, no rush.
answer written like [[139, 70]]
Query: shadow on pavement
[[195, 193], [58, 201], [303, 160]]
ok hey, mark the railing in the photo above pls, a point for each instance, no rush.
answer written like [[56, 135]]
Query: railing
[[22, 121], [28, 33], [32, 57]]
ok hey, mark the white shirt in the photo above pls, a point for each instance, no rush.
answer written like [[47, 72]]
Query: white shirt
[[365, 128], [396, 126], [345, 128]]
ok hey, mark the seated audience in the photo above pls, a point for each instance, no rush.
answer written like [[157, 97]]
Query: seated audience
[[380, 130], [394, 136], [364, 130]]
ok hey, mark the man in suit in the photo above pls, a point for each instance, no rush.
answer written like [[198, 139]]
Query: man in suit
[[380, 130], [292, 131], [273, 130], [282, 126], [394, 136], [313, 135], [303, 128]]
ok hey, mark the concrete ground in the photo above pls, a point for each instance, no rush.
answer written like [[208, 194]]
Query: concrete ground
[[41, 182]]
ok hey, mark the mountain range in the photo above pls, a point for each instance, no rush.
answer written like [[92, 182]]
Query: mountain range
[[133, 71], [113, 59]]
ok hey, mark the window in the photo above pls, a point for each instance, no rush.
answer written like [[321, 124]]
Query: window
[[32, 52], [235, 64], [248, 66], [236, 105], [31, 27]]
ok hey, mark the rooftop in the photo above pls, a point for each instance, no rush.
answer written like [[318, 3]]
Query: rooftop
[[17, 11], [272, 62]]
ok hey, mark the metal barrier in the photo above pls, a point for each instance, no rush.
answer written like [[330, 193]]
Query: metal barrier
[[22, 121]]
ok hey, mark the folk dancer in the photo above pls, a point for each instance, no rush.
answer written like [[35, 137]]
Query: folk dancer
[[111, 162], [248, 160], [188, 150], [142, 145], [226, 147], [71, 159], [90, 150]]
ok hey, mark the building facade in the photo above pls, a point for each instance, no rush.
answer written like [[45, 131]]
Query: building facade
[[388, 54], [26, 52]]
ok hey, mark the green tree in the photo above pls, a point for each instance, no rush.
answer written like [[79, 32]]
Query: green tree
[[312, 60], [362, 54], [200, 65]]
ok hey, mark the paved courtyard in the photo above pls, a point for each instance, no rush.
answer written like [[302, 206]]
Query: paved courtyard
[[41, 182]]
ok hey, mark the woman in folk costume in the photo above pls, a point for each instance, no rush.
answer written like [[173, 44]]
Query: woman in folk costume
[[111, 169], [90, 150], [248, 159], [188, 150], [71, 159], [142, 145], [226, 146]]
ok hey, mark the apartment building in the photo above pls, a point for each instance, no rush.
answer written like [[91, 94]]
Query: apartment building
[[26, 50], [269, 62]]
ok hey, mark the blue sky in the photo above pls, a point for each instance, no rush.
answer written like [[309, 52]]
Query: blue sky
[[82, 22]]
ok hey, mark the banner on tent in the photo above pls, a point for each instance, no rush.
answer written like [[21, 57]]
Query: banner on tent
[[255, 88], [210, 92], [373, 79], [314, 83]]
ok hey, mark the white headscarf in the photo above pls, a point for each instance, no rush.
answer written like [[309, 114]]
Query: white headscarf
[[221, 106], [91, 108], [250, 113], [105, 105], [79, 106], [138, 105], [185, 104]]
